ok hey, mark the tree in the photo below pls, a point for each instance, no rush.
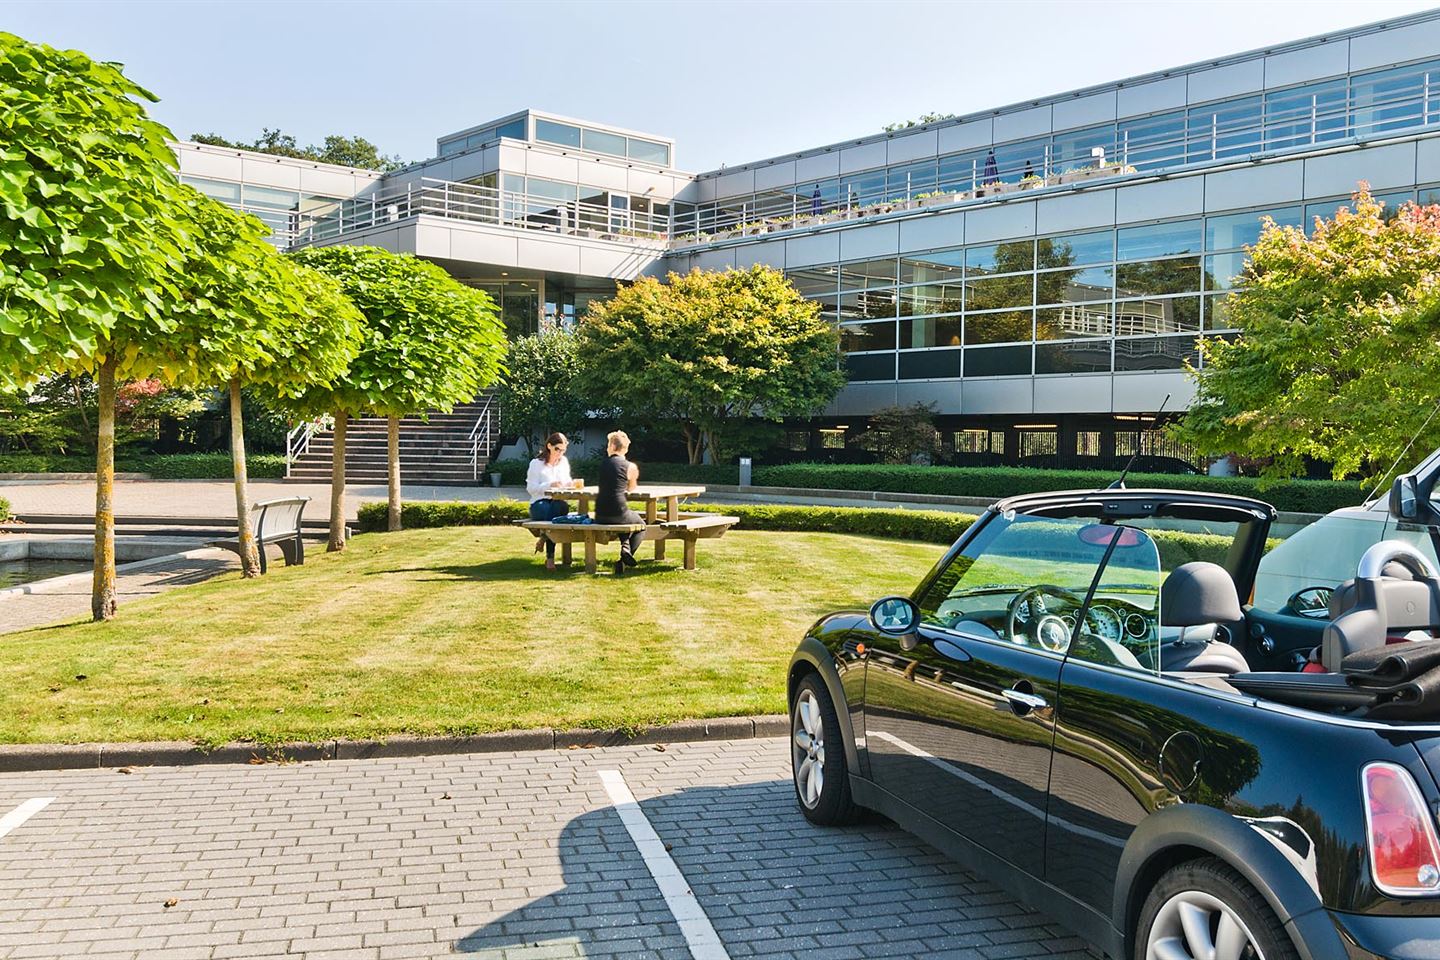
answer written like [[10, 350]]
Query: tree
[[539, 393], [428, 341], [250, 316], [704, 348], [1336, 358], [924, 118], [346, 151], [91, 241], [900, 434]]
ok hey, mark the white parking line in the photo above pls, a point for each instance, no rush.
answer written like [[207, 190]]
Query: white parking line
[[23, 812], [694, 924]]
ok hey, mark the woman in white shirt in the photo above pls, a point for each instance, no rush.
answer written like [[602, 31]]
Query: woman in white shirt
[[550, 470]]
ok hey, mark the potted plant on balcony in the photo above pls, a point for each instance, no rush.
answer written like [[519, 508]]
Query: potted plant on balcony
[[1031, 181]]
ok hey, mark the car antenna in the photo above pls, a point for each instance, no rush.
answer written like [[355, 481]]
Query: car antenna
[[1119, 483], [1415, 436]]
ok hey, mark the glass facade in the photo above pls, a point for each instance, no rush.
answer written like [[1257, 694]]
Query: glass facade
[[285, 212]]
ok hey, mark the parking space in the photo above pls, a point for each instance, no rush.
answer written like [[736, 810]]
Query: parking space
[[525, 856]]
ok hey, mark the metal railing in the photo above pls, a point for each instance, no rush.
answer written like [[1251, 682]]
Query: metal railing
[[297, 441], [473, 203], [482, 435]]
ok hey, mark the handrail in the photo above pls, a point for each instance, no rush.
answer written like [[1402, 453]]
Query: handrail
[[297, 442], [481, 436]]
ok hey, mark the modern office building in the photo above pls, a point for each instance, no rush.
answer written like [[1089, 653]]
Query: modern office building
[[1038, 272]]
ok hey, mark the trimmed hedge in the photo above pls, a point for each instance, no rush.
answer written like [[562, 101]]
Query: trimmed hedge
[[374, 517], [171, 466], [1300, 496]]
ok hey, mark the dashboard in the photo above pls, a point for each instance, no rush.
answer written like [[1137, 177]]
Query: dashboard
[[1046, 617]]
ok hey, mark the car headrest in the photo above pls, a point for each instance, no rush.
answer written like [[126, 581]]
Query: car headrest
[[1196, 593], [1342, 598]]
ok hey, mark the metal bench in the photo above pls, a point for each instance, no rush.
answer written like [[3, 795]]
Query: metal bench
[[278, 522]]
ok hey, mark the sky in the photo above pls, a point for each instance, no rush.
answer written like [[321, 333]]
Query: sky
[[730, 82]]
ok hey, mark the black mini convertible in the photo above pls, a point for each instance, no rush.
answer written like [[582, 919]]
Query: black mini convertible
[[1079, 703]]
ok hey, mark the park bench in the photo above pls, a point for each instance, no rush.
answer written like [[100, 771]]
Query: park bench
[[278, 522], [691, 527], [687, 527]]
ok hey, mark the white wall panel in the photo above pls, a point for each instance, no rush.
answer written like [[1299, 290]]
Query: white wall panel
[[1231, 80], [548, 255], [817, 167], [862, 243], [1000, 222], [1310, 63], [819, 248], [737, 183], [771, 254], [965, 136], [607, 175], [550, 167], [914, 146], [943, 394], [483, 246], [658, 185], [715, 259], [1077, 393], [998, 395], [936, 230], [1144, 392], [1083, 111], [201, 163], [270, 173], [1427, 160], [861, 398], [1149, 97], [597, 260], [1382, 167], [1165, 198], [1075, 211], [1255, 185], [328, 182], [775, 175], [1021, 124], [1411, 42], [863, 157]]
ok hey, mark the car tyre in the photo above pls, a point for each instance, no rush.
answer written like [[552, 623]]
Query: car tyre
[[817, 754], [1205, 908]]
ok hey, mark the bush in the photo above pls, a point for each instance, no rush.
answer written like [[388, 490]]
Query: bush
[[1302, 496], [512, 472], [4, 509], [175, 466], [415, 516]]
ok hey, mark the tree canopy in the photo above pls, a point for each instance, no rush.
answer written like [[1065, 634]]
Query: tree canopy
[[539, 393], [1337, 357], [704, 348], [346, 151]]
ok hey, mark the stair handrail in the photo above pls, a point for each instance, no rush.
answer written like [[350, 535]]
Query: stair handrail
[[297, 441], [481, 436]]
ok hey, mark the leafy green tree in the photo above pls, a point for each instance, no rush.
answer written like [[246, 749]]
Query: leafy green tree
[[900, 434], [428, 341], [918, 121], [539, 393], [1336, 358], [346, 151], [92, 239], [705, 348]]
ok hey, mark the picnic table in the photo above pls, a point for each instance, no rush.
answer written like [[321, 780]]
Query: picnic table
[[674, 525]]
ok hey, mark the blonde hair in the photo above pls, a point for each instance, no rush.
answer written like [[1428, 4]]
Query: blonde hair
[[617, 441]]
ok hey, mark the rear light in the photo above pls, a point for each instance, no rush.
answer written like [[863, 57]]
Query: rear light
[[1404, 851]]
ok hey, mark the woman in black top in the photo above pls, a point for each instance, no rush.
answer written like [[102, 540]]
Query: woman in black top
[[618, 477]]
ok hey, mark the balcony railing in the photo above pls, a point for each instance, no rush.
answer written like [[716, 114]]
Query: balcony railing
[[472, 203]]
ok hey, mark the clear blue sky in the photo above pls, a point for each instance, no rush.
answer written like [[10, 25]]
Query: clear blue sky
[[730, 81]]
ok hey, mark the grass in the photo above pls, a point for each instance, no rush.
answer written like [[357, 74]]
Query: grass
[[446, 631]]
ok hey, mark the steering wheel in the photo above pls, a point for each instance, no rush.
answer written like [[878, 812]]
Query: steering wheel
[[1051, 632]]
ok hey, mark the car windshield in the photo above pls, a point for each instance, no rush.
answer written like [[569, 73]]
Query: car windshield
[[1326, 553]]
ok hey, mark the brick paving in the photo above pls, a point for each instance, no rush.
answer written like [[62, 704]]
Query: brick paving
[[504, 856]]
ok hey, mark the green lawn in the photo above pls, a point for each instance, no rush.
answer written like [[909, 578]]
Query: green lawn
[[455, 630]]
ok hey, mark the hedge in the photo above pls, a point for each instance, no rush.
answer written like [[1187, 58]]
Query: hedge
[[171, 466], [1300, 496]]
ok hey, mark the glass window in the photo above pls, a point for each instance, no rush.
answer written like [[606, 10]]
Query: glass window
[[995, 293], [551, 189], [910, 180], [1243, 229], [1076, 149], [870, 366], [1157, 277], [1305, 115], [513, 183], [1016, 161], [1078, 285], [1078, 249], [1008, 257], [866, 305], [450, 147], [1326, 553], [938, 266], [1150, 142], [972, 441], [1087, 443], [598, 141], [961, 171], [930, 365], [1073, 356], [1217, 312], [867, 274], [1009, 326], [930, 332], [864, 188], [1155, 353], [479, 137], [997, 362], [1122, 625], [1157, 240], [1223, 270], [270, 198], [562, 133], [1074, 320], [812, 280], [1227, 129], [930, 298], [1156, 315], [859, 337], [514, 129], [649, 151], [1391, 99], [216, 189]]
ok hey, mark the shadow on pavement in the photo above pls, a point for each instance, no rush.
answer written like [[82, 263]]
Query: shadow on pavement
[[771, 883]]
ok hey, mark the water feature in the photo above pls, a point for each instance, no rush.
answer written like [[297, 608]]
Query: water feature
[[27, 570]]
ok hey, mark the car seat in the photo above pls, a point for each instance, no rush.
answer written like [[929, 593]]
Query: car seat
[[1200, 598], [1377, 607]]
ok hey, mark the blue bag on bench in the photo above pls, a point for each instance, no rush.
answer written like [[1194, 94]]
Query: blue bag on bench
[[575, 518]]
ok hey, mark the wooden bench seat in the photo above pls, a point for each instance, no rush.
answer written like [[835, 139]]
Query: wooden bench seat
[[687, 527]]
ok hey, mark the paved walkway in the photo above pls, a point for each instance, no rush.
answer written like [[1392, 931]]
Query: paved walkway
[[69, 599], [506, 856], [216, 498]]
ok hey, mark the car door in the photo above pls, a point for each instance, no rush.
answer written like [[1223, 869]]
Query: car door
[[959, 716]]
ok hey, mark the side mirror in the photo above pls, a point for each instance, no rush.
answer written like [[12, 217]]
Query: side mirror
[[1405, 498], [1312, 602], [894, 615]]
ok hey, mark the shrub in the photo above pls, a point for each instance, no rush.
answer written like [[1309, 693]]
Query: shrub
[[4, 509], [174, 466], [415, 516]]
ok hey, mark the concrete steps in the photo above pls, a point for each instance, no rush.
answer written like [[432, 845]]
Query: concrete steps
[[433, 450]]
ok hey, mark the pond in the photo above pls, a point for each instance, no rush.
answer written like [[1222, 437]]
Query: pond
[[15, 572]]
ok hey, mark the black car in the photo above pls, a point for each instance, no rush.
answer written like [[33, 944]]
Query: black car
[[1076, 703]]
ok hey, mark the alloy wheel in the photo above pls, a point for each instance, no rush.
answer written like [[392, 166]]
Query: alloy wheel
[[1193, 925], [808, 749]]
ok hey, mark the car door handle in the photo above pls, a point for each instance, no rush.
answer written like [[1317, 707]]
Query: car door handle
[[1022, 703]]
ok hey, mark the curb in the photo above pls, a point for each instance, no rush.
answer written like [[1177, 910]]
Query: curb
[[25, 757]]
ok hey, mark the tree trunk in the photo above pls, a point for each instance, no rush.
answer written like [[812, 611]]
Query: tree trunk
[[102, 593], [693, 444], [249, 551], [337, 487], [393, 442]]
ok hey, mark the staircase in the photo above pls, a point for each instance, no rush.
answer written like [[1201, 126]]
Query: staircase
[[436, 450]]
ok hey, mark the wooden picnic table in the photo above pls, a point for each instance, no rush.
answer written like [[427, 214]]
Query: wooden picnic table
[[652, 495]]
